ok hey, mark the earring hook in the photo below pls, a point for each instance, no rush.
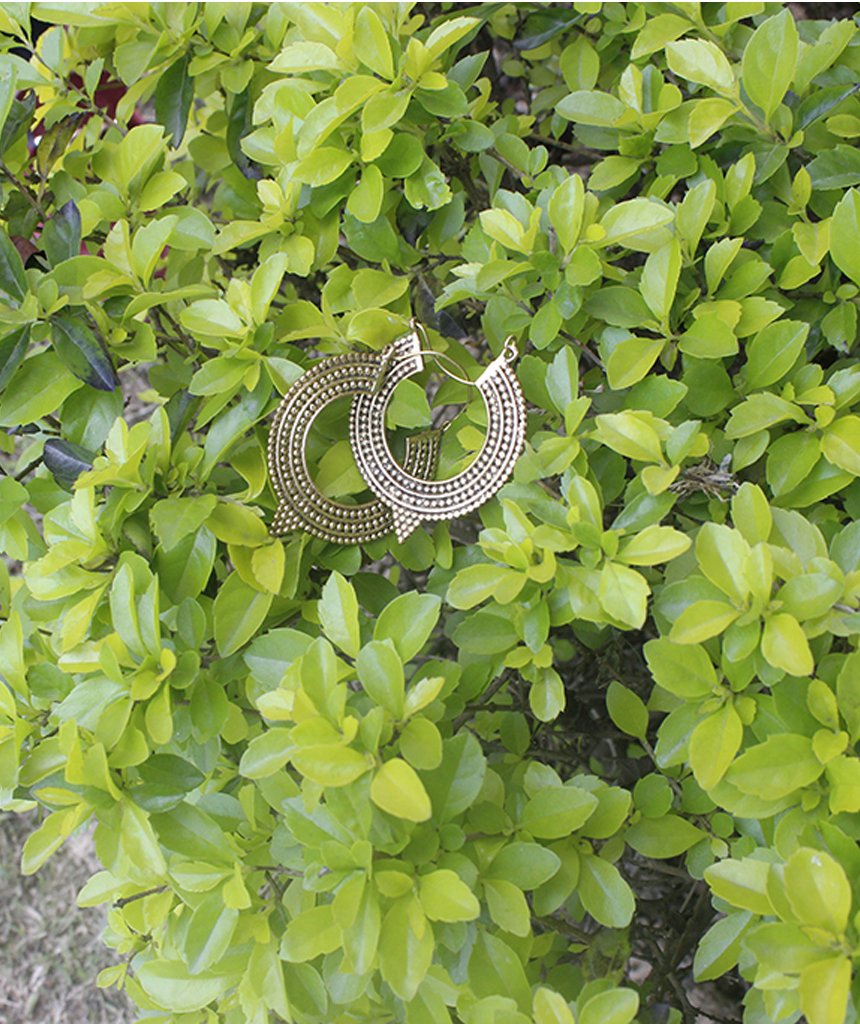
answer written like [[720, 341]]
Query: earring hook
[[509, 353], [440, 358]]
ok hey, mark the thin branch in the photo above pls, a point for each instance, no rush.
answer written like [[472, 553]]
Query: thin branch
[[562, 924], [28, 469], [472, 709], [596, 360], [125, 900], [24, 189], [585, 155]]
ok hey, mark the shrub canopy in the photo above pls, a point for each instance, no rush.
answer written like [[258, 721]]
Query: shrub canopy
[[436, 781]]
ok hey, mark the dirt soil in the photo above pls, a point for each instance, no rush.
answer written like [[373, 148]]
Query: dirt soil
[[50, 951]]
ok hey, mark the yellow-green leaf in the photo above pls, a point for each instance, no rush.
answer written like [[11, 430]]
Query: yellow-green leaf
[[397, 790]]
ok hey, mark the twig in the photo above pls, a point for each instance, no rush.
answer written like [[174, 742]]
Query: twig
[[586, 156], [561, 924], [276, 869], [125, 900], [596, 360], [27, 469], [517, 173], [180, 334], [24, 189], [472, 709]]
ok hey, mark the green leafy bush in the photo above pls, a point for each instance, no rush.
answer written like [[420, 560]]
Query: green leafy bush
[[436, 781]]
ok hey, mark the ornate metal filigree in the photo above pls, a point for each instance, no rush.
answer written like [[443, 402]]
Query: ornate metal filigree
[[405, 495], [413, 499], [302, 505]]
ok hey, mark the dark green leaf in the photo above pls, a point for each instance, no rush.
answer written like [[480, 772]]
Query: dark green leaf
[[12, 280], [455, 784], [821, 102], [835, 168], [55, 141], [165, 778], [61, 238], [18, 121], [66, 460], [173, 96], [82, 352], [238, 125], [13, 348]]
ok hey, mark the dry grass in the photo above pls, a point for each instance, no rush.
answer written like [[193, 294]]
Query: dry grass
[[50, 951]]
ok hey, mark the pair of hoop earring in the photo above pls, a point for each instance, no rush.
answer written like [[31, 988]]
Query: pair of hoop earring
[[404, 495]]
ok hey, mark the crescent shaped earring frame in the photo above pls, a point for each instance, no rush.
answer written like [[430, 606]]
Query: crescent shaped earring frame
[[411, 498]]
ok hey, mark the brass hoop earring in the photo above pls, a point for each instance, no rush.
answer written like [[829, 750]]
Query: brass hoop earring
[[411, 498], [301, 504]]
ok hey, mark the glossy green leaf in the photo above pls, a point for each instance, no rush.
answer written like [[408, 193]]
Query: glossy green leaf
[[330, 764], [526, 865], [566, 208], [61, 238], [769, 61], [13, 348], [784, 645], [210, 931], [780, 765], [604, 893], [703, 62], [171, 986], [616, 1006], [83, 352], [371, 44], [702, 620], [818, 890], [455, 784], [626, 709], [825, 989], [175, 518], [591, 107], [338, 611], [685, 670], [508, 906], [659, 280], [266, 754], [407, 622], [843, 234], [310, 934], [239, 611], [445, 897], [397, 789], [173, 96], [840, 444], [495, 969], [713, 745], [405, 949], [556, 811], [550, 1008], [13, 282], [380, 671], [773, 352], [663, 837], [742, 883], [720, 947]]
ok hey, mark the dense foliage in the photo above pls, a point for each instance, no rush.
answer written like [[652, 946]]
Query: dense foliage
[[462, 778]]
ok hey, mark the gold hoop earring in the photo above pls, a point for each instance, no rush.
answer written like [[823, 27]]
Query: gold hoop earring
[[411, 498], [301, 504]]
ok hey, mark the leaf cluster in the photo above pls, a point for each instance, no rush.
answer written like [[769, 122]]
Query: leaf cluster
[[417, 782]]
